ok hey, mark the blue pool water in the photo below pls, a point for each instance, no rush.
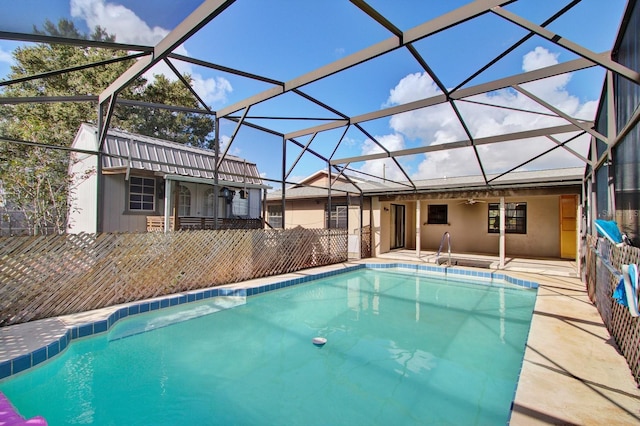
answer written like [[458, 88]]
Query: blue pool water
[[402, 348]]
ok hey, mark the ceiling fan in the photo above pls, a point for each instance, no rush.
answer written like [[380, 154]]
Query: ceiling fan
[[471, 201]]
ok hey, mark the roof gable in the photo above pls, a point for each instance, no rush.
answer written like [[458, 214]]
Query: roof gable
[[321, 178]]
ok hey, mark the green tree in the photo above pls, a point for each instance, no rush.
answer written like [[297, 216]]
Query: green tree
[[35, 179], [191, 129]]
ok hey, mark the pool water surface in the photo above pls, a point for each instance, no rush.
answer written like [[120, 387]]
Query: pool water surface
[[402, 348]]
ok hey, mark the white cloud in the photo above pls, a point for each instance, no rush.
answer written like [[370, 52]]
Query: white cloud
[[129, 28], [386, 166], [224, 142], [117, 19], [214, 89], [538, 58], [412, 88], [438, 124], [6, 57]]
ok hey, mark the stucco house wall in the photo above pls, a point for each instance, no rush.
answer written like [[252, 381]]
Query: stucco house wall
[[310, 213], [467, 221], [305, 213], [468, 227]]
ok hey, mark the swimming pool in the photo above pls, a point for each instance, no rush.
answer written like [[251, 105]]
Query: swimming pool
[[402, 347]]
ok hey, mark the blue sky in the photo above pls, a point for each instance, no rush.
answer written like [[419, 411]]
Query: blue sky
[[285, 39]]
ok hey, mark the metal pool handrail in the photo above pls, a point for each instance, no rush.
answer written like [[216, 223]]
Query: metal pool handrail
[[446, 234]]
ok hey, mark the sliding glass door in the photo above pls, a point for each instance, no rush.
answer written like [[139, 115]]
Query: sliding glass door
[[397, 226]]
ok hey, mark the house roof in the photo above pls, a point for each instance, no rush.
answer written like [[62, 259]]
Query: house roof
[[537, 178], [524, 179], [124, 149]]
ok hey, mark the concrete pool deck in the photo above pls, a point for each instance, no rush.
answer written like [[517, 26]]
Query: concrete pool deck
[[572, 372]]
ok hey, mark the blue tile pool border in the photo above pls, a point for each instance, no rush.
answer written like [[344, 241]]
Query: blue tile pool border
[[24, 362]]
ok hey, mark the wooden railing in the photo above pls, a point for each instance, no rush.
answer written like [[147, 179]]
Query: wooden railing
[[603, 266], [156, 223], [47, 276]]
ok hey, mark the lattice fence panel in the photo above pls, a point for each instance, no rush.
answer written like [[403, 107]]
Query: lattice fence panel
[[47, 276], [365, 242], [602, 281]]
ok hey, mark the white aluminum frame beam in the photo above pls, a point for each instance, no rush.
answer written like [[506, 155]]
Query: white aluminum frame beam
[[527, 77], [462, 144], [569, 149], [607, 63], [561, 114], [436, 25], [208, 10]]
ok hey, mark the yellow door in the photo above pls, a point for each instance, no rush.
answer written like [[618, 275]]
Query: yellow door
[[568, 221]]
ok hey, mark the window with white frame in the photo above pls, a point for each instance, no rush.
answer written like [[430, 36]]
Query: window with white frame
[[184, 201], [338, 217], [142, 194], [275, 216]]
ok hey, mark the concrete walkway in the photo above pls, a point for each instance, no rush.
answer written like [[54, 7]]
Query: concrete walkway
[[572, 371], [555, 267]]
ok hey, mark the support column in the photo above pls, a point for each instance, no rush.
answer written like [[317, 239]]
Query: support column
[[168, 190], [216, 187], [360, 224], [593, 196], [264, 207], [375, 226], [99, 175], [329, 204], [418, 223], [579, 239], [612, 136], [283, 201], [502, 233]]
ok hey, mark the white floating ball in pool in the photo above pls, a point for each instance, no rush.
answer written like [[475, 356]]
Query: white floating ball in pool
[[319, 341]]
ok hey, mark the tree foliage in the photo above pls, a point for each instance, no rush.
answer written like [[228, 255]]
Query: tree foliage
[[35, 179]]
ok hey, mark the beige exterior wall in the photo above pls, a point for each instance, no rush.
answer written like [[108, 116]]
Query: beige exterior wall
[[309, 213], [467, 223], [468, 227], [384, 228], [305, 213]]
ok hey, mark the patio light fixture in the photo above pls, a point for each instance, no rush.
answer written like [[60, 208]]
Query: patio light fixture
[[228, 194]]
